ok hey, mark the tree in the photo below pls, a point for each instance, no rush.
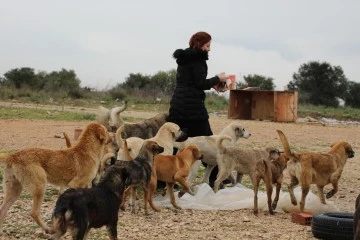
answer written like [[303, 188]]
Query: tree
[[320, 83], [353, 97], [255, 80], [136, 81], [164, 81], [20, 77], [65, 80]]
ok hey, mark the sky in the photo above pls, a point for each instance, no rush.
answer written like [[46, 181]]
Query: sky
[[105, 41]]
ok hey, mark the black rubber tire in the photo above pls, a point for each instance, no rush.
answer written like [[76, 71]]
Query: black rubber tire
[[333, 226]]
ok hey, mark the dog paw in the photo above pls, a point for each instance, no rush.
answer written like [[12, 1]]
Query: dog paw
[[180, 194], [294, 202], [273, 206]]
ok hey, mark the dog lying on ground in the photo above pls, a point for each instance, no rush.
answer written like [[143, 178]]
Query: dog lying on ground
[[255, 162], [33, 168], [80, 209], [207, 146], [144, 129], [321, 169], [165, 137], [140, 170], [110, 118], [171, 169], [356, 219]]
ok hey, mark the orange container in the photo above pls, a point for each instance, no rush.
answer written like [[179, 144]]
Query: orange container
[[232, 83]]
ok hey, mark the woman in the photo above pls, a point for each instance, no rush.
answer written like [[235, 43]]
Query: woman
[[187, 105]]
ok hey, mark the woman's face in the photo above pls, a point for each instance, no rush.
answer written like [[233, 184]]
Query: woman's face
[[206, 47]]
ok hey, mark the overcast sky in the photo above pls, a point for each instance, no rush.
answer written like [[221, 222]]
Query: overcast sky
[[104, 41]]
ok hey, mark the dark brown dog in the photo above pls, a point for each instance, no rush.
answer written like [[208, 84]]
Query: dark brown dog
[[145, 129], [172, 169], [357, 219], [33, 168], [321, 169], [140, 171], [79, 210]]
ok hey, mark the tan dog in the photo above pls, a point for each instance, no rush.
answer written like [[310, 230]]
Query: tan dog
[[33, 168], [207, 145], [165, 137], [321, 169], [144, 129], [255, 162], [172, 169]]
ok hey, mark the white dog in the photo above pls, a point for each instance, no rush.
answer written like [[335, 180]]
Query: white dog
[[207, 146]]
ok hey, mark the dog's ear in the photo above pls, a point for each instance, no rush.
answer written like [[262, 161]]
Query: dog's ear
[[102, 135]]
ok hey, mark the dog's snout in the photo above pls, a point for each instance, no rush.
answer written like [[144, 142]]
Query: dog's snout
[[351, 153], [183, 136], [201, 157]]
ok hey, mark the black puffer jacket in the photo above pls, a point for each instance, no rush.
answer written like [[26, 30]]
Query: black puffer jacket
[[188, 100]]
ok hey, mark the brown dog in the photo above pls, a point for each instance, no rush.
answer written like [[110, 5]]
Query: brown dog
[[33, 168], [321, 169], [171, 169], [140, 171]]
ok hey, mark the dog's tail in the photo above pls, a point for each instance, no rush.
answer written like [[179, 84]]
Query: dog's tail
[[115, 115], [61, 217], [221, 148], [126, 151], [118, 136], [285, 143], [67, 139], [103, 117]]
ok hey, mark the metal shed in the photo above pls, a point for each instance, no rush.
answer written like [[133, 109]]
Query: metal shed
[[278, 106]]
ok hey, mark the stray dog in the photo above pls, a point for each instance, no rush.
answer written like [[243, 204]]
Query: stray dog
[[165, 137], [321, 169], [81, 209], [140, 170], [171, 169], [110, 153], [33, 168], [144, 129], [110, 118], [207, 146], [254, 162], [356, 219]]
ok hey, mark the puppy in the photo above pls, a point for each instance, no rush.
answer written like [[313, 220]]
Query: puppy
[[165, 137], [140, 171], [321, 169], [110, 118], [33, 168], [254, 162], [356, 219], [80, 209], [171, 169], [207, 146], [144, 129]]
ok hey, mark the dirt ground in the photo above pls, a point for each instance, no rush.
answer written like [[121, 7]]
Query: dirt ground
[[187, 224]]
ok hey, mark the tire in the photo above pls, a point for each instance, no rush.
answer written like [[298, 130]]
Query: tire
[[333, 226]]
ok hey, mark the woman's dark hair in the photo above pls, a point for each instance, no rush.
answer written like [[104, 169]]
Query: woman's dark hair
[[199, 39]]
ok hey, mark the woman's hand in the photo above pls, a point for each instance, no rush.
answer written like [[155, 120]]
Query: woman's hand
[[221, 87], [223, 77]]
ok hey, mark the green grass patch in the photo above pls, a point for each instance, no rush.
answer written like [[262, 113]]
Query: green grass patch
[[26, 113], [345, 113]]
